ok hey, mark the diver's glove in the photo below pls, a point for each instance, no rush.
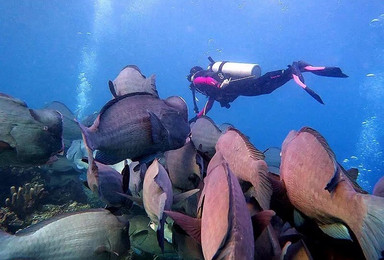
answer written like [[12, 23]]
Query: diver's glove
[[225, 83]]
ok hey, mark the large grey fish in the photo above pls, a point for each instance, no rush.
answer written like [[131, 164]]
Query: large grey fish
[[131, 80], [157, 197], [136, 126], [71, 130], [318, 188], [247, 163], [28, 137], [204, 135], [224, 226], [92, 234], [183, 167]]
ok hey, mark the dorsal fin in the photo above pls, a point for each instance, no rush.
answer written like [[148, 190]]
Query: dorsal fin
[[321, 140], [255, 153]]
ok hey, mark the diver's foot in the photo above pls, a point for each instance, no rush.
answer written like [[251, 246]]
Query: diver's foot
[[321, 70]]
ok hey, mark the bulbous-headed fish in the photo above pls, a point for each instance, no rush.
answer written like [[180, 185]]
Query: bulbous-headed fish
[[378, 190], [28, 137], [92, 234], [224, 226], [157, 197], [71, 130], [131, 80], [135, 126], [204, 135], [247, 163], [319, 189], [183, 168]]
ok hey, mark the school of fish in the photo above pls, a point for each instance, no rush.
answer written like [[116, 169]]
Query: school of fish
[[175, 189]]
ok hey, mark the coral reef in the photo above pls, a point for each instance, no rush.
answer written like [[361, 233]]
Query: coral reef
[[25, 199]]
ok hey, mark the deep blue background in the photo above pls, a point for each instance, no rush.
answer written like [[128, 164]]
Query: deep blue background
[[44, 45]]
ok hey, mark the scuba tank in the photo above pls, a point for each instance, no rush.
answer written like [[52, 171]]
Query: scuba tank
[[236, 69]]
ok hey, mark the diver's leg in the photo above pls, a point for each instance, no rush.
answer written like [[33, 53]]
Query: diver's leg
[[265, 84]]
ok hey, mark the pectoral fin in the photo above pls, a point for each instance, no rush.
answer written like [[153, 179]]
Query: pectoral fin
[[332, 184], [337, 230], [159, 133]]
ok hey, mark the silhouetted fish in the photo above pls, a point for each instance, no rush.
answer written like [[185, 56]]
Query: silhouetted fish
[[28, 137], [157, 197], [71, 130], [319, 189], [92, 234], [272, 158], [378, 190], [247, 163], [183, 168], [131, 80], [225, 227], [135, 126]]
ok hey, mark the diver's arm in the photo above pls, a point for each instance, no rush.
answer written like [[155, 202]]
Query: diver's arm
[[195, 107], [207, 107]]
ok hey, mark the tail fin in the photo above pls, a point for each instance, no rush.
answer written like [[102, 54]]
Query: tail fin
[[372, 229]]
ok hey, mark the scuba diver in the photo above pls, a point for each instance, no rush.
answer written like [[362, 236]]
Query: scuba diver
[[225, 81]]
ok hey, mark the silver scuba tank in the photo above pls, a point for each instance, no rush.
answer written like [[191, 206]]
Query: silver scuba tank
[[236, 69]]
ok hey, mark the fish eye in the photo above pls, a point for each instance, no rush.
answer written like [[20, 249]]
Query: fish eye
[[45, 128]]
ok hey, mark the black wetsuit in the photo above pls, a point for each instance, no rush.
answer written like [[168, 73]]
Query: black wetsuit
[[253, 86]]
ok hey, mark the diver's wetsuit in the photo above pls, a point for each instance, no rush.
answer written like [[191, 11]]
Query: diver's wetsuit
[[209, 83]]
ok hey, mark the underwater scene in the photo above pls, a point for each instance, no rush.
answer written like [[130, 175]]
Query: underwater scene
[[196, 129]]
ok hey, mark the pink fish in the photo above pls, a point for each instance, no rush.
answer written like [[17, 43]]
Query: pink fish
[[318, 188], [247, 163], [223, 226]]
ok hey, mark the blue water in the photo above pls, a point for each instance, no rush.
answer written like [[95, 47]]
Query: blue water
[[68, 50]]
